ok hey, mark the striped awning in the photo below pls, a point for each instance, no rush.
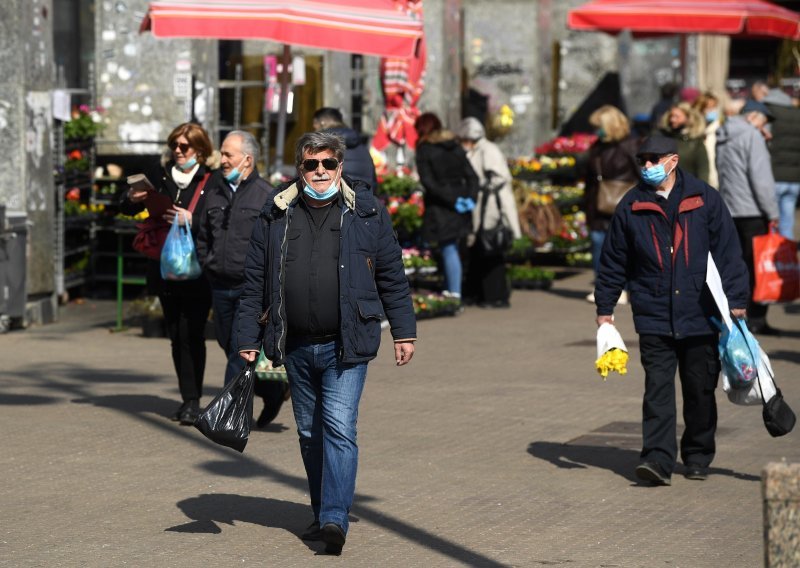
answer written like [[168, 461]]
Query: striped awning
[[742, 18], [369, 27]]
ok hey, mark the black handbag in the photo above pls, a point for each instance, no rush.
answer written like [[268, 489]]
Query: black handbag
[[778, 416], [497, 240]]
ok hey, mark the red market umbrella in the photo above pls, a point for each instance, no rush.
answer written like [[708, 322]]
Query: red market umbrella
[[370, 27], [744, 18]]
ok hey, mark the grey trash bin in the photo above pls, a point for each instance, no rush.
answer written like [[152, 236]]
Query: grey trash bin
[[13, 267]]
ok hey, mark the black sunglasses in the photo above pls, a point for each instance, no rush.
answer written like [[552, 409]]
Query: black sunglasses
[[184, 147], [652, 158], [327, 163]]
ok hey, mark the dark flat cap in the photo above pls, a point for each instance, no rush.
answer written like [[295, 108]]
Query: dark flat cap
[[755, 106], [658, 145]]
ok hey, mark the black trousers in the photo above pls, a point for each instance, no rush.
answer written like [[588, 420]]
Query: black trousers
[[486, 278], [697, 362], [186, 316], [747, 228]]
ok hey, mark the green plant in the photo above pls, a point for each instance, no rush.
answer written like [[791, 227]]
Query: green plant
[[85, 123], [398, 186], [529, 273]]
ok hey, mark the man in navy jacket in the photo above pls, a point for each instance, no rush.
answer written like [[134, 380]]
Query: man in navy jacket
[[322, 269], [658, 245]]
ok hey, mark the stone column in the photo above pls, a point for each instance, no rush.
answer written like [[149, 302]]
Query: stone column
[[145, 82], [443, 37], [26, 181], [780, 485]]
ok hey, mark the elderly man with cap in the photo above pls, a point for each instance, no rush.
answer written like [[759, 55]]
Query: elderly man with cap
[[658, 245], [747, 187]]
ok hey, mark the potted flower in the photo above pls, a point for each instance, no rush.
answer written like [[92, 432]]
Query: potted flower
[[147, 311], [530, 277]]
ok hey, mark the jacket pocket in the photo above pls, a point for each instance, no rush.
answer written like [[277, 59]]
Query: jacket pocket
[[368, 327]]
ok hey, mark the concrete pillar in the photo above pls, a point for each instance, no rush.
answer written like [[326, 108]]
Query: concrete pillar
[[780, 485], [144, 82], [26, 180], [443, 36]]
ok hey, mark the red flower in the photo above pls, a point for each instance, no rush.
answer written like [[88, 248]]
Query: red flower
[[73, 194], [75, 155]]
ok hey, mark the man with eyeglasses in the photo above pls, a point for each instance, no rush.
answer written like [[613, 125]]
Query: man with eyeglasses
[[323, 268], [232, 207], [658, 245]]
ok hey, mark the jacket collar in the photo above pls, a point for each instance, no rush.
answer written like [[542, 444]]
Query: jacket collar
[[287, 197]]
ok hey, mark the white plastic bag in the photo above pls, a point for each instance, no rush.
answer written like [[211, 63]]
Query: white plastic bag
[[745, 396]]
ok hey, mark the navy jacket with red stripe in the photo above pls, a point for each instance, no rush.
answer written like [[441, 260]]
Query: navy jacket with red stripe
[[661, 255]]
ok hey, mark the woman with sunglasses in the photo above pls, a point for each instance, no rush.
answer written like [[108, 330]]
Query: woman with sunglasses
[[189, 165]]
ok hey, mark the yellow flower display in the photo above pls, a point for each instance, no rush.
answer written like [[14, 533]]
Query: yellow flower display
[[612, 360]]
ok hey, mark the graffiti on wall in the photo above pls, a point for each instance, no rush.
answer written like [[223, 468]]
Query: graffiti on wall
[[38, 119], [135, 137]]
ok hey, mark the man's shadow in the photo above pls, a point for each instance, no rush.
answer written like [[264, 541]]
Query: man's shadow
[[617, 460], [208, 511]]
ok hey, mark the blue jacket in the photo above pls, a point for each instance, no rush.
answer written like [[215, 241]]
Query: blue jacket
[[372, 279], [663, 256]]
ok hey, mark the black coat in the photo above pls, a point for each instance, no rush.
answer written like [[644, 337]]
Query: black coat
[[225, 228], [446, 175], [662, 257], [614, 161], [372, 280], [785, 143], [182, 198]]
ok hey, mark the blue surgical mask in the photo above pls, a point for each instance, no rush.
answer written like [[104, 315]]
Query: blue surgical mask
[[712, 115], [188, 165], [234, 175], [655, 175], [330, 192]]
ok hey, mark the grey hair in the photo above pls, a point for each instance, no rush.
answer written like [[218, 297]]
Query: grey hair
[[315, 142], [471, 129], [249, 143]]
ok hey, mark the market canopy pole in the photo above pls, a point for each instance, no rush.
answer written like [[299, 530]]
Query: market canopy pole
[[740, 18]]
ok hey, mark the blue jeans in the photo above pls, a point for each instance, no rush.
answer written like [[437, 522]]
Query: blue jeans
[[226, 306], [325, 397], [598, 238], [786, 193], [452, 267]]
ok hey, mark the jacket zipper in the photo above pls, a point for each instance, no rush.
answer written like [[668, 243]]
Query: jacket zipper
[[281, 281]]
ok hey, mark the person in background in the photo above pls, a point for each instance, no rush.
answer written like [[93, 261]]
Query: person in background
[[747, 187], [231, 210], [669, 92], [613, 157], [709, 107], [450, 187], [486, 275], [759, 91], [687, 127], [188, 167], [358, 163], [658, 244], [323, 266], [783, 149]]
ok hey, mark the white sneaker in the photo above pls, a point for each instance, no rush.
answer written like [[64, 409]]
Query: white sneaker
[[623, 298], [590, 297]]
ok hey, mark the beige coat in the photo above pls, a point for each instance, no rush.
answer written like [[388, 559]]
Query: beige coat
[[485, 157]]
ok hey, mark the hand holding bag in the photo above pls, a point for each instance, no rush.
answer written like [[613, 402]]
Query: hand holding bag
[[152, 232], [179, 257], [227, 418]]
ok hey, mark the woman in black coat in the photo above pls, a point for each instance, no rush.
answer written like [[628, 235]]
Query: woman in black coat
[[186, 304], [450, 188]]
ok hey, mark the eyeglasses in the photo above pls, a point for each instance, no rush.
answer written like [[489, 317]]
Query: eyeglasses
[[652, 158], [184, 147], [327, 163]]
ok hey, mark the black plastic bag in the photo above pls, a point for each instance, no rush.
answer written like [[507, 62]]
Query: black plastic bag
[[227, 418]]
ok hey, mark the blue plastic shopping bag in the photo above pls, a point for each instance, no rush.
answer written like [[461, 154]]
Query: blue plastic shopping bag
[[739, 354], [179, 257]]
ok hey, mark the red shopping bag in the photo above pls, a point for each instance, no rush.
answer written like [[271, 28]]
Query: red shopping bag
[[777, 268]]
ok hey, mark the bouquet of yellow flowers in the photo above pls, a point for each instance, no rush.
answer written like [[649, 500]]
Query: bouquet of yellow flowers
[[612, 355]]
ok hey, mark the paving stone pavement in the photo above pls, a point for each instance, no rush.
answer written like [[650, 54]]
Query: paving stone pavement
[[498, 446]]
